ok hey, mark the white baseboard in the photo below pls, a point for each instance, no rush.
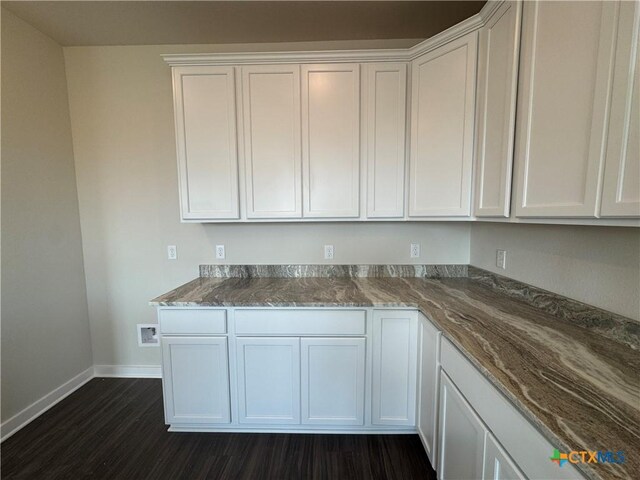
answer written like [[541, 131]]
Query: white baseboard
[[37, 408], [128, 371]]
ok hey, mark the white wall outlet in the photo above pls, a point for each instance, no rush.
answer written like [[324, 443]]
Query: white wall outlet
[[220, 252], [172, 252], [328, 252], [148, 335], [501, 259], [415, 250]]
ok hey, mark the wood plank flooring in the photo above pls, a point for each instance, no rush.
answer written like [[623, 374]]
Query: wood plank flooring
[[113, 428]]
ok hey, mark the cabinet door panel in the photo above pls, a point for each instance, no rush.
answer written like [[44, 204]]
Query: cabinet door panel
[[333, 381], [621, 191], [268, 380], [428, 387], [331, 140], [195, 378], [394, 371], [271, 102], [205, 112], [562, 103], [461, 435], [497, 463], [386, 135], [443, 109], [497, 83]]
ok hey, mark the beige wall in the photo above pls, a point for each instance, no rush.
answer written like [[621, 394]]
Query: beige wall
[[45, 328], [596, 265], [123, 133]]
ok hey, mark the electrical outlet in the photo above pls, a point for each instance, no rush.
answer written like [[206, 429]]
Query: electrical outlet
[[172, 252], [220, 252], [328, 252], [501, 259], [415, 250]]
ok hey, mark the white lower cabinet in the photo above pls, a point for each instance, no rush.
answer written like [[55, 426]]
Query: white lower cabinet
[[268, 380], [195, 378], [395, 358], [497, 463], [332, 379], [428, 382], [348, 370], [461, 435]]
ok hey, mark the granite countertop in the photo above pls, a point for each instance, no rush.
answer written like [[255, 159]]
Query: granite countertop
[[576, 378]]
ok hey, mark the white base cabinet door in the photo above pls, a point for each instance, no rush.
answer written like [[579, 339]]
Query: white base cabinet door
[[332, 378], [395, 358], [497, 463], [268, 380], [428, 380], [195, 377], [462, 435]]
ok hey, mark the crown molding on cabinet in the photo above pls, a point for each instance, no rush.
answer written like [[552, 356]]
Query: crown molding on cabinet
[[338, 56]]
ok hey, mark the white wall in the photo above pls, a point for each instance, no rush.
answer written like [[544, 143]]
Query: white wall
[[124, 145], [596, 265], [45, 327]]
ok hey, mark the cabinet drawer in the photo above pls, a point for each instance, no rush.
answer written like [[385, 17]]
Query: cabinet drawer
[[193, 321], [300, 322]]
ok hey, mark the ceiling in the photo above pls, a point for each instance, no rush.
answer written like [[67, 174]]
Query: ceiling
[[85, 23]]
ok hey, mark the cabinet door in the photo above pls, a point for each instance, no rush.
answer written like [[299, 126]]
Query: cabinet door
[[331, 140], [562, 103], [621, 191], [461, 435], [429, 366], [499, 45], [386, 99], [205, 113], [395, 358], [442, 112], [333, 381], [195, 380], [271, 105], [268, 380], [497, 463]]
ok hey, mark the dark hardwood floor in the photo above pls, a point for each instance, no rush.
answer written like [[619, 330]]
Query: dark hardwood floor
[[114, 428]]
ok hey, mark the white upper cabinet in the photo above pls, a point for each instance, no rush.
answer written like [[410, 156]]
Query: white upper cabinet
[[272, 135], [565, 73], [331, 140], [205, 111], [499, 44], [386, 99], [442, 113], [621, 189]]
